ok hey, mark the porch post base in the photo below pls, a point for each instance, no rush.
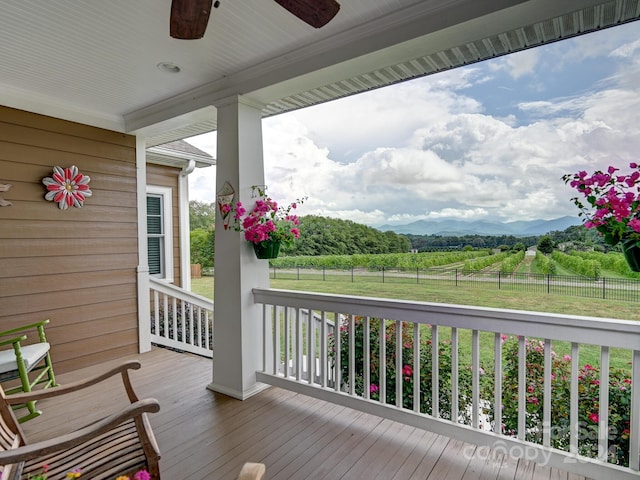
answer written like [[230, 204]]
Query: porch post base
[[240, 395]]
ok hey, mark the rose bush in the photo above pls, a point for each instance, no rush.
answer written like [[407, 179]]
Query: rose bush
[[405, 375], [588, 401]]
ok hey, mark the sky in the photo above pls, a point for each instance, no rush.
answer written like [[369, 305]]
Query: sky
[[490, 141]]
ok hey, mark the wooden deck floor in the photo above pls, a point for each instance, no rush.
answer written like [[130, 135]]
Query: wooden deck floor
[[205, 435]]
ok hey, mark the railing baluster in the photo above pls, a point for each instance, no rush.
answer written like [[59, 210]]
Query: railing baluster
[[497, 393], [399, 376], [337, 336], [208, 329], [311, 342], [156, 312], [383, 361], [174, 318], [366, 358], [183, 322], [276, 339], [165, 316], [352, 355], [475, 378], [286, 342], [573, 402], [435, 371], [522, 387], [416, 367], [198, 325], [298, 345], [192, 325], [455, 409], [603, 401], [265, 336], [323, 349], [546, 406], [634, 439]]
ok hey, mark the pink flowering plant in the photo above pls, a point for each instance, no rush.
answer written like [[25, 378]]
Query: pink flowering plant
[[266, 220], [77, 473], [619, 402], [613, 202], [405, 375]]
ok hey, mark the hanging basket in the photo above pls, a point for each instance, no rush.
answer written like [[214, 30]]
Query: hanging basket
[[267, 249], [631, 249]]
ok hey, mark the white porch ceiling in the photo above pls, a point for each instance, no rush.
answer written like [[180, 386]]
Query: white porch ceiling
[[94, 61]]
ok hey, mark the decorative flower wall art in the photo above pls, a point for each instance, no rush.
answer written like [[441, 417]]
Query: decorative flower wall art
[[4, 187], [67, 186]]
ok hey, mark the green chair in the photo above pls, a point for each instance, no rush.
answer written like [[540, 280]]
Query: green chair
[[26, 364]]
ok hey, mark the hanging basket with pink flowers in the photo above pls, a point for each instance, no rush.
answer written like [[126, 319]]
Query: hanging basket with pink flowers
[[267, 226], [614, 207]]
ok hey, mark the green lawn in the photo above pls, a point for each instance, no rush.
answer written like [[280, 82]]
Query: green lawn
[[529, 301]]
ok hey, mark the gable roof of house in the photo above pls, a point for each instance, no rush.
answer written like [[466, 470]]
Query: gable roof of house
[[178, 154], [104, 63]]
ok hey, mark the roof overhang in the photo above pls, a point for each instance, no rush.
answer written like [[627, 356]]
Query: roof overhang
[[94, 62]]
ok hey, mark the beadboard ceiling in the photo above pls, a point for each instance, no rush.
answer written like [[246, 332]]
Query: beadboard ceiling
[[95, 61]]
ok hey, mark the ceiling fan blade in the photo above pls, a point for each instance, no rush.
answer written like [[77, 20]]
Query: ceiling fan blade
[[189, 18], [316, 13]]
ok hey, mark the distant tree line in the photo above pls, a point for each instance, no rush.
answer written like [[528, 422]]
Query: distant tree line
[[319, 236], [425, 243], [576, 237], [331, 236]]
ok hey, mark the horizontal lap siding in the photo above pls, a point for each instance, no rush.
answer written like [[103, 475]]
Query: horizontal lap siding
[[76, 267]]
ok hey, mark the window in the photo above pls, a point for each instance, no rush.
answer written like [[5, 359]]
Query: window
[[159, 233]]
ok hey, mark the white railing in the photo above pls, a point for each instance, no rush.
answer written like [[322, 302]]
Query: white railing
[[181, 319], [444, 389]]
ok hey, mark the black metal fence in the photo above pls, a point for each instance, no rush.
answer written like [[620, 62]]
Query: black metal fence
[[606, 288]]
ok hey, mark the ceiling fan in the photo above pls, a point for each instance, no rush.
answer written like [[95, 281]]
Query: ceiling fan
[[189, 18]]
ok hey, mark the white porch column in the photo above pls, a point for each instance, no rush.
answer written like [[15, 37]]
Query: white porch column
[[237, 333], [144, 325]]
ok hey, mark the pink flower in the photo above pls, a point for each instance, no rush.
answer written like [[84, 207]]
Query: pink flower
[[533, 400], [240, 210], [407, 371], [266, 220], [142, 475], [594, 417], [567, 358]]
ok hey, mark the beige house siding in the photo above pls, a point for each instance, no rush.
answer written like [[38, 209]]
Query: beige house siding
[[76, 267], [163, 176]]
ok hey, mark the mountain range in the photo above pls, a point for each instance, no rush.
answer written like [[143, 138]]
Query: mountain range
[[457, 227]]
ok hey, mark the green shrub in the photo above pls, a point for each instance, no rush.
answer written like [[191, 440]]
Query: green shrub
[[406, 375]]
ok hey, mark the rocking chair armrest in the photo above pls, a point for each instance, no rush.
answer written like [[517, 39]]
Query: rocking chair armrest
[[41, 323], [13, 341], [70, 440], [18, 398]]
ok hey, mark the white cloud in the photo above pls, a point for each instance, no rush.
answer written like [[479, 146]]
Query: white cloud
[[471, 213], [522, 63], [427, 149]]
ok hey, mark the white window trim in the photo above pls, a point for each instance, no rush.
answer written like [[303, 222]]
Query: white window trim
[[167, 210]]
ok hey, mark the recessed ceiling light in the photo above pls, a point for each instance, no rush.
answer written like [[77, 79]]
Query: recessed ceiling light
[[168, 67]]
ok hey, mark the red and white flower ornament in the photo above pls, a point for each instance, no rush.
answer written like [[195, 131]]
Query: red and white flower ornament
[[67, 186]]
